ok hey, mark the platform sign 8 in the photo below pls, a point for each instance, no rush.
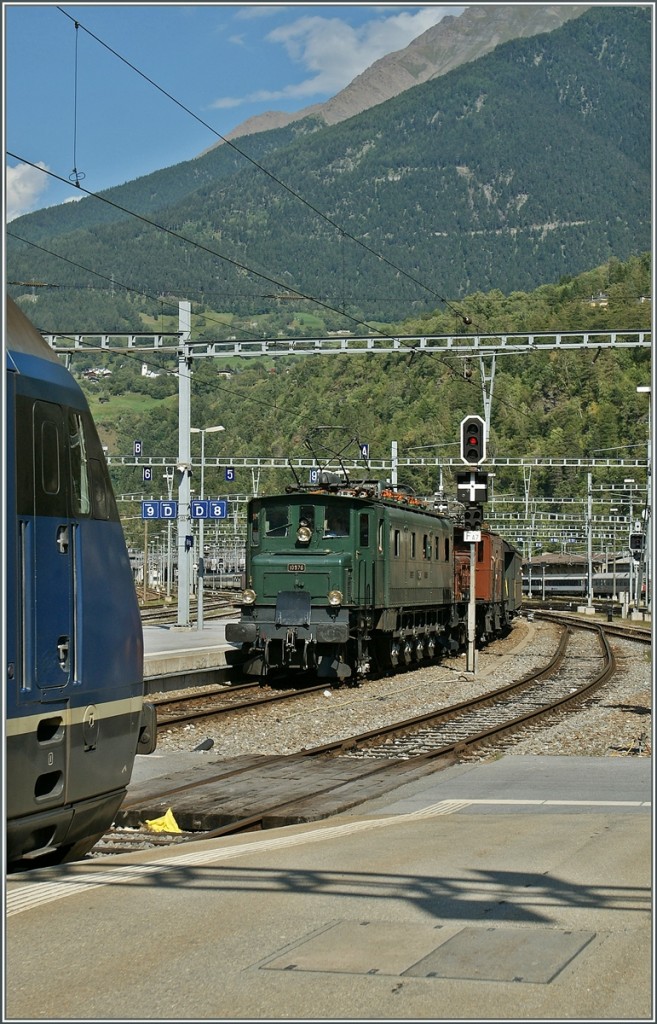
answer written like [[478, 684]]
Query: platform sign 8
[[218, 509]]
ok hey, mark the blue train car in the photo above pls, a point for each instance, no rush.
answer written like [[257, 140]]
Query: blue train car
[[75, 716]]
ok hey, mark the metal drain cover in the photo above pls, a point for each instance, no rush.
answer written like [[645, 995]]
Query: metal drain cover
[[426, 951], [503, 954]]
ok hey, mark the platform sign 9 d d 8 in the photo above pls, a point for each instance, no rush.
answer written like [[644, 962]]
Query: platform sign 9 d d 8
[[473, 440]]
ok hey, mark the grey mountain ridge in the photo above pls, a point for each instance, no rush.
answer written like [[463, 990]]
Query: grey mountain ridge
[[443, 47]]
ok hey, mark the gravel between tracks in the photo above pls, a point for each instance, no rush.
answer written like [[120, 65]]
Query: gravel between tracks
[[617, 721]]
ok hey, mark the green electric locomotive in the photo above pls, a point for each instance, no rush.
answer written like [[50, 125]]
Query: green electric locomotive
[[343, 580]]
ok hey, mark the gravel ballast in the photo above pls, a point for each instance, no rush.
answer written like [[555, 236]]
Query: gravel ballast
[[616, 722]]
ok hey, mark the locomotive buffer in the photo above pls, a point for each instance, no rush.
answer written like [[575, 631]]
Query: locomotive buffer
[[472, 491]]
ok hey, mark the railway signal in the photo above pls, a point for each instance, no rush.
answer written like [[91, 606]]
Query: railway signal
[[473, 440], [473, 517]]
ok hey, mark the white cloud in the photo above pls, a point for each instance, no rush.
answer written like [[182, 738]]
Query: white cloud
[[25, 186], [335, 52]]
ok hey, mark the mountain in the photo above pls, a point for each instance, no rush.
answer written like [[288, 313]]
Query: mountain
[[527, 164], [443, 47]]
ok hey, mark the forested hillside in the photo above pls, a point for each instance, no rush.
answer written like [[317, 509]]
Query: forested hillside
[[556, 404], [519, 168]]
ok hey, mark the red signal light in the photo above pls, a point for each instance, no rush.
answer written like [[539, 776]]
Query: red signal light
[[473, 440]]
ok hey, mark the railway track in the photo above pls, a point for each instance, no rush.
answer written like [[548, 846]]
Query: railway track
[[627, 631], [213, 608], [409, 748], [179, 711]]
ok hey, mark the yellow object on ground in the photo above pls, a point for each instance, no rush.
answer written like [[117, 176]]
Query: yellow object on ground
[[167, 823]]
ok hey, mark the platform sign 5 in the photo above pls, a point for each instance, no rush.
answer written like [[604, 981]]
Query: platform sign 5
[[169, 509], [150, 510], [230, 473], [199, 509], [218, 509]]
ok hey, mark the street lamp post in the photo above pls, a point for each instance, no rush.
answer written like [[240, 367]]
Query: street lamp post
[[201, 567], [613, 554], [629, 483], [647, 524], [168, 476]]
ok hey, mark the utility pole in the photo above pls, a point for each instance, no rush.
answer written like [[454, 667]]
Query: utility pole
[[184, 462], [589, 541]]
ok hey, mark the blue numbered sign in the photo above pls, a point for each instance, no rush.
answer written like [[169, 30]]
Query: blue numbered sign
[[314, 476], [199, 509], [148, 474], [137, 448], [218, 509], [365, 451], [150, 510], [169, 509], [230, 473]]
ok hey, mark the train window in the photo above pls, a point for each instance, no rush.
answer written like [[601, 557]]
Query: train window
[[412, 545], [364, 530], [50, 468], [336, 523], [277, 521], [396, 543], [447, 549], [426, 546], [380, 536], [79, 475], [101, 500], [307, 516], [255, 526]]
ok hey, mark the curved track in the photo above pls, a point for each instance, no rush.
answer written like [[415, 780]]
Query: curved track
[[419, 745]]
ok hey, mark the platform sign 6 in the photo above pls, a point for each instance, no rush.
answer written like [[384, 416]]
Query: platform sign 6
[[199, 509], [230, 473], [169, 509], [218, 509], [148, 474], [150, 510], [137, 448]]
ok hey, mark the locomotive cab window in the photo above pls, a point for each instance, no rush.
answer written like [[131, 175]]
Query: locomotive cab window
[[336, 523], [307, 516], [364, 530], [79, 473], [255, 526], [277, 521]]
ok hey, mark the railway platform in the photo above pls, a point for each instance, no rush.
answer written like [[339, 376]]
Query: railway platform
[[516, 889], [172, 653]]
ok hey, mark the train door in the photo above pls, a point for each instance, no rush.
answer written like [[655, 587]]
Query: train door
[[365, 549], [50, 555]]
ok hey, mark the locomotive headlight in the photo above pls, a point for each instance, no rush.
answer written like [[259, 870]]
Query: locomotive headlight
[[304, 533], [248, 596], [335, 598]]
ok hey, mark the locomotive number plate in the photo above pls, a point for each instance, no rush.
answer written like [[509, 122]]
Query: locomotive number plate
[[296, 567]]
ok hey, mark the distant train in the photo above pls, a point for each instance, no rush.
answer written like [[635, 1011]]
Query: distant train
[[604, 584], [345, 580], [75, 716]]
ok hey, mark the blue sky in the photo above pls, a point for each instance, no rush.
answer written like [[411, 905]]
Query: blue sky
[[71, 105]]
